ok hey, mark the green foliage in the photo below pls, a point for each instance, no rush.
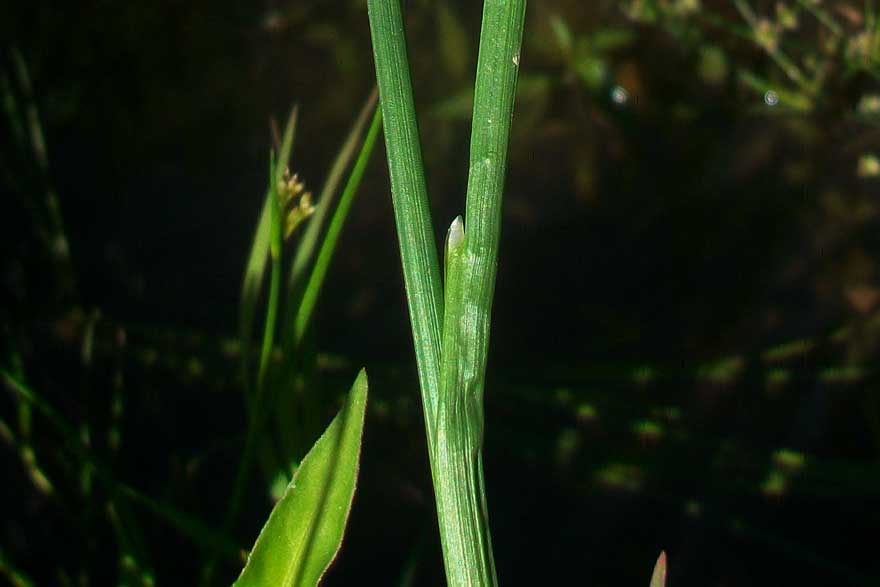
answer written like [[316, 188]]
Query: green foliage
[[452, 399], [326, 482], [660, 147], [658, 577], [305, 529], [331, 239], [259, 253], [279, 383], [412, 213]]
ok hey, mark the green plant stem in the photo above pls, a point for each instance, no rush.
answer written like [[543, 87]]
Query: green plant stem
[[822, 16], [258, 406], [458, 468], [454, 413], [259, 254], [274, 293], [494, 93], [16, 577], [472, 258], [421, 270], [53, 231]]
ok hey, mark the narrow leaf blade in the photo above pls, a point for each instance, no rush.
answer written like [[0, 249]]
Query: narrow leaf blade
[[305, 252], [658, 578], [331, 239], [305, 529]]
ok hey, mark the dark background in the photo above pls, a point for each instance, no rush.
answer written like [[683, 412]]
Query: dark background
[[687, 296]]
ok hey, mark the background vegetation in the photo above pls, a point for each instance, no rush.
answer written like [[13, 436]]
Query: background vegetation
[[686, 319]]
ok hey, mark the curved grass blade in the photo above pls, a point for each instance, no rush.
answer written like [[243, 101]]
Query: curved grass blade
[[208, 538], [258, 402], [47, 210], [328, 246], [305, 529], [658, 578], [259, 255], [16, 577], [305, 251]]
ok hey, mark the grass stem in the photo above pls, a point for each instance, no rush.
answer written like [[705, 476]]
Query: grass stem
[[452, 389]]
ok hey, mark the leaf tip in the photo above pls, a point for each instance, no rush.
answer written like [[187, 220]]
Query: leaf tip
[[658, 577], [456, 233]]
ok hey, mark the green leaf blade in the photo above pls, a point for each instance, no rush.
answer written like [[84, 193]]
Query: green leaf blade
[[305, 529], [258, 257], [310, 242], [658, 578], [331, 239], [412, 212]]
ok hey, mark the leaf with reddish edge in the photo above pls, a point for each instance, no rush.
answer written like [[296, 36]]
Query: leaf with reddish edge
[[658, 578], [305, 529]]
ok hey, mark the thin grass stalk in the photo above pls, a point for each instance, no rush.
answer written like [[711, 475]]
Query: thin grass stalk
[[822, 16], [331, 239], [15, 576], [259, 254], [309, 243], [304, 282], [206, 537], [57, 244], [275, 242], [418, 251], [256, 414]]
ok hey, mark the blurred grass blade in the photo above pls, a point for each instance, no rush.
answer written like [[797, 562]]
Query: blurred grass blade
[[305, 251], [410, 569], [331, 239], [258, 404], [455, 46], [658, 578], [206, 537], [42, 199], [275, 243], [16, 577], [259, 255], [133, 567], [305, 529]]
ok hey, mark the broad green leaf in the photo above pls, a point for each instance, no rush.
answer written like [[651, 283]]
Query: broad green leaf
[[305, 529], [658, 578]]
